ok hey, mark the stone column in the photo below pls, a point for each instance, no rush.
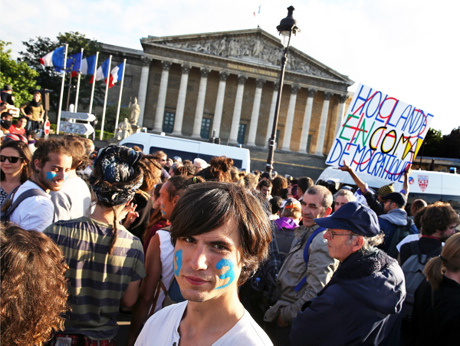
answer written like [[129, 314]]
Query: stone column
[[255, 113], [233, 139], [290, 119], [271, 116], [322, 124], [342, 100], [143, 84], [196, 133], [220, 102], [158, 125], [306, 121], [177, 130]]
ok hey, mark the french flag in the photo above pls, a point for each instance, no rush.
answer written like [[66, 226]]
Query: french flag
[[88, 65], [116, 74], [54, 58], [102, 72]]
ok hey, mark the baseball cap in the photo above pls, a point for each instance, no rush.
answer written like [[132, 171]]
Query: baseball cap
[[385, 190], [355, 217], [396, 197]]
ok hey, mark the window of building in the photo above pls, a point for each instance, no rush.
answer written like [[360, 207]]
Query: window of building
[[308, 144], [128, 81], [241, 133], [168, 122], [205, 128]]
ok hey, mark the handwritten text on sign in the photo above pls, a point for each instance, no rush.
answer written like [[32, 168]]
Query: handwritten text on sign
[[380, 135]]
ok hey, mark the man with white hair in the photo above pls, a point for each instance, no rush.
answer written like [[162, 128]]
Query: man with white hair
[[199, 164]]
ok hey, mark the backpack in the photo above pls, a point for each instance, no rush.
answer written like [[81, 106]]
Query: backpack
[[414, 276], [399, 234], [8, 208], [263, 283]]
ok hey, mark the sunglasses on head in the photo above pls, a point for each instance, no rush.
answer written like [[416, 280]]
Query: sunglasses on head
[[12, 159]]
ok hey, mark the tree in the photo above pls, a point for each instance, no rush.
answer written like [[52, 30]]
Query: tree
[[450, 144], [48, 78], [21, 77], [432, 143]]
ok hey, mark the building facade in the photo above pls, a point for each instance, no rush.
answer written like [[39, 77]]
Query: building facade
[[225, 84]]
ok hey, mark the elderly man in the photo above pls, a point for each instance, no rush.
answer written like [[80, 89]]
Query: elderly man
[[299, 282], [361, 303]]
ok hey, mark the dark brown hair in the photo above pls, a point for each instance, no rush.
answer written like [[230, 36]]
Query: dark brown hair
[[77, 150], [279, 183], [47, 147], [209, 205], [438, 217], [34, 290], [24, 153]]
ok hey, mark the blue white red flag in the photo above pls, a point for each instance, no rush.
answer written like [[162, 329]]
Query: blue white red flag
[[102, 72], [54, 58], [88, 65], [116, 74]]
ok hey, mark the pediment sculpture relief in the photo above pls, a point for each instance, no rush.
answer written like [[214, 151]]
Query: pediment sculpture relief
[[249, 49]]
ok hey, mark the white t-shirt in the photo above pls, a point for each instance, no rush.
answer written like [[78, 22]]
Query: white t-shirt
[[163, 329], [73, 200], [166, 257], [34, 213]]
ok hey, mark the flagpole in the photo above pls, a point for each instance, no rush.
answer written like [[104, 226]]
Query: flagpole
[[94, 84], [68, 92], [78, 83], [105, 98], [58, 123], [119, 97]]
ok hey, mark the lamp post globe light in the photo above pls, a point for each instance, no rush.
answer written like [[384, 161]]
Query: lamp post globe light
[[286, 28]]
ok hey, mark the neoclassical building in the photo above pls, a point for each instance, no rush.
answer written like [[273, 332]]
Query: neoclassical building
[[226, 84]]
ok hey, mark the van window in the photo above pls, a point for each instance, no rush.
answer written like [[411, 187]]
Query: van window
[[185, 155]]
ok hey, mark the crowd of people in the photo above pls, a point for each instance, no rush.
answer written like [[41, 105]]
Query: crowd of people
[[203, 253]]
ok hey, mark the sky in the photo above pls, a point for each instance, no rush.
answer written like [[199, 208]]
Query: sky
[[406, 48]]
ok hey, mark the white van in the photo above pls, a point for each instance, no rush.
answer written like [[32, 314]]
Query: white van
[[188, 149], [427, 185]]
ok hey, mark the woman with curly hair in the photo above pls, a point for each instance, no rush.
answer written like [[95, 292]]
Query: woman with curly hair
[[34, 290], [15, 158]]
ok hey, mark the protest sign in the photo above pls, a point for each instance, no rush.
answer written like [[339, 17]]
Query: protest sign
[[380, 135]]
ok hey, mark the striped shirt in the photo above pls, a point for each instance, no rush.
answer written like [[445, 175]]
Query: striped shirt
[[97, 280]]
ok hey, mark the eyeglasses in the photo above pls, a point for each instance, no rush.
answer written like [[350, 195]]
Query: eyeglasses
[[11, 159], [333, 234]]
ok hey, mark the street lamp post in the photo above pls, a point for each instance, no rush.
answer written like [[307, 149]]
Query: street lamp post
[[286, 28]]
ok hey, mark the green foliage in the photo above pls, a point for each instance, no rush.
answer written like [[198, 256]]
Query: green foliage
[[21, 77], [49, 79], [437, 145], [110, 115], [432, 143], [451, 144]]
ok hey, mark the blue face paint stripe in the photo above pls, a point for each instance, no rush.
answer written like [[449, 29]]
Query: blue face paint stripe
[[50, 175], [228, 274], [177, 262]]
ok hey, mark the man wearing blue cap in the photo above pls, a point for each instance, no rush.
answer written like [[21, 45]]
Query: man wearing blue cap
[[362, 302]]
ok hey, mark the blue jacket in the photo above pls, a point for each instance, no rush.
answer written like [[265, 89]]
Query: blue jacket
[[360, 305]]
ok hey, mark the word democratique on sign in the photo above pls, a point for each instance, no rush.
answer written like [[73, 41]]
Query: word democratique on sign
[[380, 135]]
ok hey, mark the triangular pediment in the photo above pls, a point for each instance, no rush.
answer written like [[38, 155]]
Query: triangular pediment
[[254, 46]]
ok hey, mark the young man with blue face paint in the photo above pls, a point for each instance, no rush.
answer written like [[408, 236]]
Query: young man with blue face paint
[[50, 163], [221, 234]]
